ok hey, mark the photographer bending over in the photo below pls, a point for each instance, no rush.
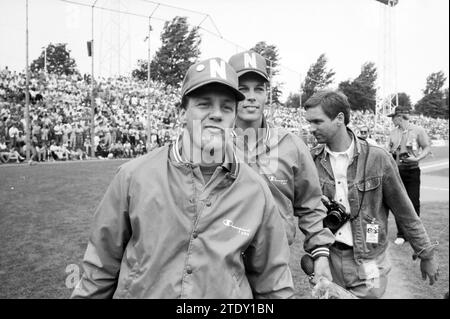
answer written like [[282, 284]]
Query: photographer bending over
[[363, 183]]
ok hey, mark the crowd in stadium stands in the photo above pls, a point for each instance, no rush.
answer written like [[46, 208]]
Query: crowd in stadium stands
[[60, 112]]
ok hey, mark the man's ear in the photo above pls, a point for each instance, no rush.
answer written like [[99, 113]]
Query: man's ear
[[341, 118]]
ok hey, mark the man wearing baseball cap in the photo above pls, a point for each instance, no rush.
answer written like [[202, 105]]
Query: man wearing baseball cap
[[283, 160], [188, 220], [408, 144]]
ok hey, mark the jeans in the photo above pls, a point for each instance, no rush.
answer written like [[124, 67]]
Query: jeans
[[366, 281], [411, 180]]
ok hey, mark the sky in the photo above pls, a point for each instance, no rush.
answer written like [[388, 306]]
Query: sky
[[349, 32]]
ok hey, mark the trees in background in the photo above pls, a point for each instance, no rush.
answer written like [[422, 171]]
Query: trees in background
[[270, 52], [317, 77], [403, 100], [178, 51], [293, 100], [57, 60], [361, 92], [434, 103]]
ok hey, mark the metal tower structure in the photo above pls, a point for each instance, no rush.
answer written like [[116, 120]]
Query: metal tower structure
[[387, 93], [114, 44]]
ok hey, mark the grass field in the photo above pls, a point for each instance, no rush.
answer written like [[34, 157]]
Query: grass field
[[438, 153], [46, 213]]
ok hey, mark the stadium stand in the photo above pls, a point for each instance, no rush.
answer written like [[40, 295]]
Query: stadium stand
[[60, 115]]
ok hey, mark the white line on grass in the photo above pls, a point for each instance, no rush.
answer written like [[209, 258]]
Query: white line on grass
[[435, 188], [435, 165]]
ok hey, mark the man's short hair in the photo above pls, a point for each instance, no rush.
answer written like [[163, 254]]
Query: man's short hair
[[332, 102]]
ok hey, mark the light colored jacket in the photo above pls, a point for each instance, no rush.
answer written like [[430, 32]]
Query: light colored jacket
[[160, 233], [285, 163]]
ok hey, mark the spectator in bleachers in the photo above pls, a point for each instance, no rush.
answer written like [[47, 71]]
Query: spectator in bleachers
[[58, 152], [364, 134], [61, 111], [4, 152]]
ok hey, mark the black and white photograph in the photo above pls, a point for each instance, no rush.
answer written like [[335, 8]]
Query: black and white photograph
[[224, 152]]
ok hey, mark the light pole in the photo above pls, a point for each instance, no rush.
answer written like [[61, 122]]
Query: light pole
[[27, 90], [300, 93], [300, 132], [148, 78], [45, 60], [148, 85], [270, 84], [92, 83]]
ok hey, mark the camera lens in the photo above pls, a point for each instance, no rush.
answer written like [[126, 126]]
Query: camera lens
[[333, 221]]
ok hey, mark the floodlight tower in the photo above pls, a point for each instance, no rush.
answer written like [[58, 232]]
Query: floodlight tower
[[388, 59], [114, 39]]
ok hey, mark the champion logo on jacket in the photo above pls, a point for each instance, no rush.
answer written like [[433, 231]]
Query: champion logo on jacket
[[241, 231], [274, 179]]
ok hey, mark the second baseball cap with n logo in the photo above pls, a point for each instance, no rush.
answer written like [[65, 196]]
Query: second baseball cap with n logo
[[214, 70], [249, 61]]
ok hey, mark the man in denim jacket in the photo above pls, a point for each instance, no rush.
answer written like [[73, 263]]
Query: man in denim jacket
[[365, 180]]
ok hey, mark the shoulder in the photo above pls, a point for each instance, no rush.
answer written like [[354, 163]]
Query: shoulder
[[418, 129], [150, 161], [394, 131], [288, 140], [376, 152]]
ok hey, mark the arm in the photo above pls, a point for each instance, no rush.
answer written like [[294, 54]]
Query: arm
[[110, 235], [423, 142], [396, 198], [267, 257], [388, 144], [409, 222], [308, 206]]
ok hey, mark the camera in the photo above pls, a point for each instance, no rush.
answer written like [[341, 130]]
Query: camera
[[401, 156], [336, 214]]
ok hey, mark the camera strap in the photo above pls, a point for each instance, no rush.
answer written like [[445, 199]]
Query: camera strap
[[364, 180]]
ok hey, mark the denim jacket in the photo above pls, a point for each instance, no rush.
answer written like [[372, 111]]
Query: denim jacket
[[384, 191]]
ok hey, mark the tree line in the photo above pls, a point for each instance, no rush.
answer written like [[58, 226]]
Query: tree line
[[180, 48]]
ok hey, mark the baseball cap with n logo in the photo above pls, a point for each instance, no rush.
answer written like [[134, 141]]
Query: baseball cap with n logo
[[249, 61], [214, 70]]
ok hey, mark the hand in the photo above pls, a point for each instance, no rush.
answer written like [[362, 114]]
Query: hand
[[321, 269], [430, 268], [410, 159]]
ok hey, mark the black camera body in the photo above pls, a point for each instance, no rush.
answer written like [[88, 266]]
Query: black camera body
[[401, 156], [336, 214]]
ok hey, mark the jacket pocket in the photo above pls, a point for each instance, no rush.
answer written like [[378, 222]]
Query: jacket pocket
[[289, 221], [286, 210], [236, 279], [328, 187], [369, 184], [379, 266], [129, 270]]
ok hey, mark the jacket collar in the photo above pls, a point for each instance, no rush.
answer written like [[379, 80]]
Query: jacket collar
[[320, 149], [230, 164], [268, 134]]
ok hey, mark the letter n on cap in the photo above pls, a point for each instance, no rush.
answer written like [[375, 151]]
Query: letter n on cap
[[250, 60], [217, 69]]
